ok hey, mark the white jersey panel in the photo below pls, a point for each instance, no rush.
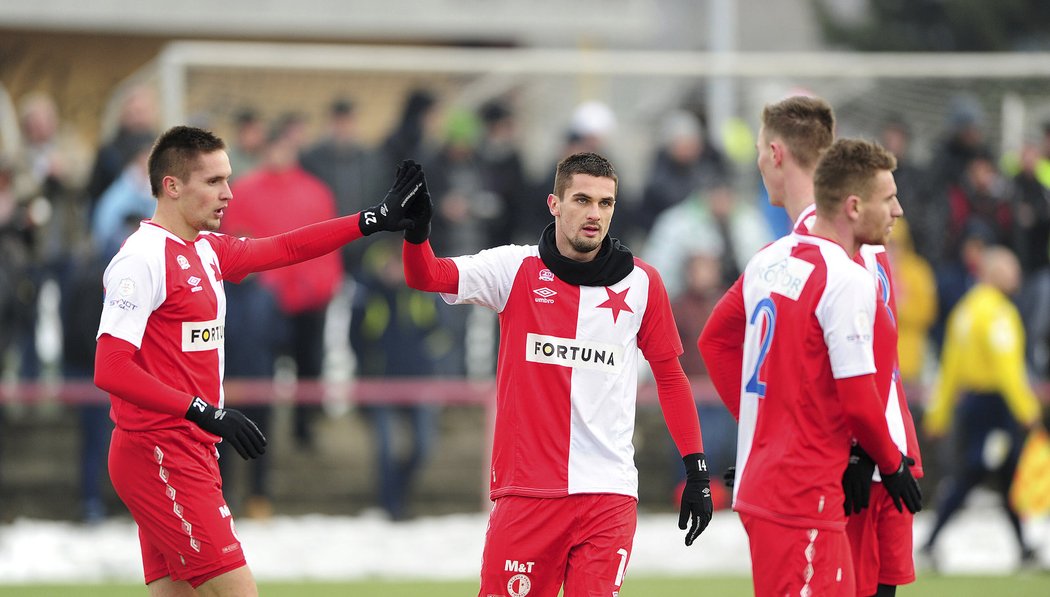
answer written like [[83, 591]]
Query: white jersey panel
[[486, 278], [135, 283], [601, 449], [849, 327]]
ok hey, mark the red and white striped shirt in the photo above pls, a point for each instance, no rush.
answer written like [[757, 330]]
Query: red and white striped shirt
[[887, 365], [567, 371]]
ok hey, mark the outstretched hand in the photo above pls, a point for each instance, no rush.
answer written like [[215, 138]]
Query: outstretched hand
[[392, 213], [420, 212]]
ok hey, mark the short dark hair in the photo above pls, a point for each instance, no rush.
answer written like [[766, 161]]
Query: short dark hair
[[582, 163], [176, 151], [847, 168], [806, 125]]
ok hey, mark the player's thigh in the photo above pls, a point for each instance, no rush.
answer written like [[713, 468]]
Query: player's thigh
[[862, 532], [895, 531], [166, 587], [526, 547], [602, 546], [798, 561], [235, 583], [173, 491]]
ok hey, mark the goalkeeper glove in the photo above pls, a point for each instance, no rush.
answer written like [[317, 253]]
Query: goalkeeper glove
[[232, 426], [696, 497], [390, 213], [856, 481], [903, 487]]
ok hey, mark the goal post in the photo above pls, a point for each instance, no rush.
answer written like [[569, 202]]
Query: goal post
[[213, 79]]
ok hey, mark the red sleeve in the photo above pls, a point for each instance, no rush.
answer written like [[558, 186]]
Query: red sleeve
[[658, 336], [116, 372], [301, 244], [425, 271], [676, 402], [867, 419], [721, 344]]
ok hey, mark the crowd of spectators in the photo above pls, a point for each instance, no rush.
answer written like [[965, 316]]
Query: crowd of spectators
[[700, 216]]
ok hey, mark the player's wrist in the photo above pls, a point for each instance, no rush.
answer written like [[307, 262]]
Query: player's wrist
[[696, 466], [199, 410]]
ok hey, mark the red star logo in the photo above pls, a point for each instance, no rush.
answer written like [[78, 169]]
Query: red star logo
[[617, 302]]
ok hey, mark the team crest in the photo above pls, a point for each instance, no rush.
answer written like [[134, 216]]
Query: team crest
[[519, 585], [183, 262], [546, 275]]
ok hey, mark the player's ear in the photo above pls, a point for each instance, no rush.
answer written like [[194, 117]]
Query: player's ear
[[552, 205], [853, 207], [777, 151], [170, 186]]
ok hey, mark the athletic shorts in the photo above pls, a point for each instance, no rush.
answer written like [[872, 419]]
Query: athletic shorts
[[798, 561], [535, 545], [880, 538], [171, 486]]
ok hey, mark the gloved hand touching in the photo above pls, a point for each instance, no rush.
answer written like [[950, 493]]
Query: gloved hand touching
[[229, 424], [391, 214], [903, 487], [696, 497], [856, 480], [419, 212]]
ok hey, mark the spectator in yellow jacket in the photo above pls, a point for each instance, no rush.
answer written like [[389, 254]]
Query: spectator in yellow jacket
[[916, 290], [984, 387]]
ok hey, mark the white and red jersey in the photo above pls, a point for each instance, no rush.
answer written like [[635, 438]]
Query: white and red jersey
[[810, 311], [165, 296], [887, 376], [887, 364], [567, 370]]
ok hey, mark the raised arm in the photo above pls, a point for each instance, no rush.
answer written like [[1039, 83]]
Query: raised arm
[[309, 242]]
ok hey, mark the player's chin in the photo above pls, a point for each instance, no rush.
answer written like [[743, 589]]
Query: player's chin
[[586, 245]]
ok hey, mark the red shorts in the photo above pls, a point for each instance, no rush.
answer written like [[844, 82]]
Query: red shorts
[[880, 538], [534, 545], [798, 561], [171, 486]]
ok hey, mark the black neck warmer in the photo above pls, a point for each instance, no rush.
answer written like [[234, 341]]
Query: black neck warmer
[[612, 263]]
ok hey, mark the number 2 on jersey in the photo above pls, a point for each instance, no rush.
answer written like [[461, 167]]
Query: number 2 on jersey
[[765, 313]]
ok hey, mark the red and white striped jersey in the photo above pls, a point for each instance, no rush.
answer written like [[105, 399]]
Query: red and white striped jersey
[[887, 375], [165, 296], [567, 370], [810, 312]]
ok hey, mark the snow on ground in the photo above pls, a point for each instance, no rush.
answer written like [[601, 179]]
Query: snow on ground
[[448, 547]]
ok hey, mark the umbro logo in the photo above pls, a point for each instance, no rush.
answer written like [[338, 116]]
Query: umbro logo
[[544, 295]]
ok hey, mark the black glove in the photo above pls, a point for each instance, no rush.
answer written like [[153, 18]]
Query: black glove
[[729, 477], [903, 487], [390, 214], [856, 481], [420, 211], [232, 426], [696, 497]]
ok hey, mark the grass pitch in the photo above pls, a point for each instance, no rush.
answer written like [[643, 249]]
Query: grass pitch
[[1027, 585]]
